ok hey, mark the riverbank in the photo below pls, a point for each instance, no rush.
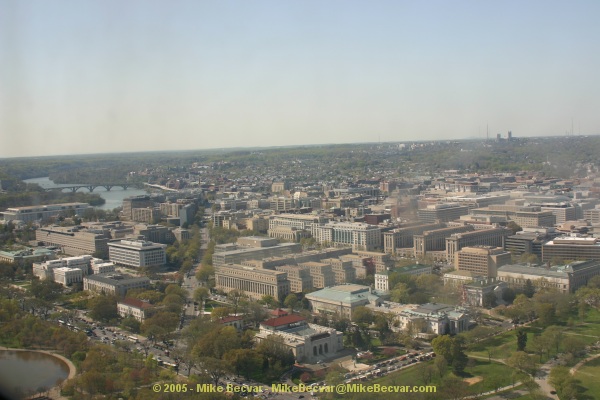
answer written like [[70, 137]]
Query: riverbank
[[54, 393]]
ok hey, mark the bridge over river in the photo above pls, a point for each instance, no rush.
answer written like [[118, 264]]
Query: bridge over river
[[107, 186]]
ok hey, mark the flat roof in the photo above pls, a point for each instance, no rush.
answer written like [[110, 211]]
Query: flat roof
[[285, 320]]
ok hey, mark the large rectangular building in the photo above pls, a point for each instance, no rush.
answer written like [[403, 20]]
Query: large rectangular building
[[403, 237], [73, 240], [435, 240], [564, 278], [435, 213], [114, 283], [341, 300], [309, 343], [255, 282], [137, 253], [430, 318], [524, 216], [305, 222], [43, 213], [482, 260], [359, 236], [132, 202], [568, 248], [482, 237], [45, 270]]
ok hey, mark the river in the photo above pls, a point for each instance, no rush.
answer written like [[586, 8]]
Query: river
[[113, 199]]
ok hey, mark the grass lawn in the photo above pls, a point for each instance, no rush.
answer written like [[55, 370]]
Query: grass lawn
[[591, 326], [503, 345], [23, 284], [483, 376], [588, 376]]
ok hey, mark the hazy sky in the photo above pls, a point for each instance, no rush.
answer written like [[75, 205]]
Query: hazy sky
[[83, 76]]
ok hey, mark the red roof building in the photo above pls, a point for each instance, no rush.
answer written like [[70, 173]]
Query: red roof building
[[285, 322]]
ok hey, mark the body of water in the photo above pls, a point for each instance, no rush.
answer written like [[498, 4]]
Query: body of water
[[23, 373], [114, 198]]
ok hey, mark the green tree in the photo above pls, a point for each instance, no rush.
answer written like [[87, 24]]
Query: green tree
[[46, 289], [205, 272], [216, 368], [545, 313], [103, 308], [521, 339], [514, 227], [161, 324], [200, 295], [400, 293], [291, 301], [362, 315], [553, 336], [216, 342], [442, 345], [522, 361], [564, 383], [244, 361], [529, 289], [131, 324], [573, 345]]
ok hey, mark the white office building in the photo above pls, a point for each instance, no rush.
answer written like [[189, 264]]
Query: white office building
[[137, 253]]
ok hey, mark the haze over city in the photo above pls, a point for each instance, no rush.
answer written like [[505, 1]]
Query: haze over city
[[112, 76]]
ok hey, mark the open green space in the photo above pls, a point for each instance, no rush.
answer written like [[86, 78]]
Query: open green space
[[501, 346], [588, 376], [481, 376]]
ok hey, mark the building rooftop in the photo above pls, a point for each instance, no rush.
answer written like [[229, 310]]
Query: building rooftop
[[113, 278], [409, 268], [347, 294], [285, 320], [129, 301]]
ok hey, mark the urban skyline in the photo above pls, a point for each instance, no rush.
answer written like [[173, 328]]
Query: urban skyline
[[103, 77]]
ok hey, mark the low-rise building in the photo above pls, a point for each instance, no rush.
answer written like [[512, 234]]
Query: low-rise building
[[430, 318], [563, 278], [45, 270], [341, 299], [459, 278], [27, 256], [44, 212], [234, 321], [114, 283], [480, 292], [415, 269], [308, 342], [67, 276], [102, 267], [135, 308]]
